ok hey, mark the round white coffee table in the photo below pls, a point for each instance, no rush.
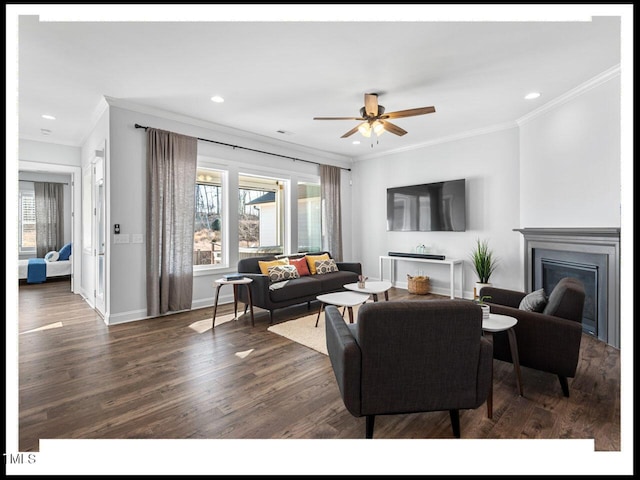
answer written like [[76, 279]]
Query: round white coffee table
[[371, 288], [500, 323], [342, 299], [243, 281]]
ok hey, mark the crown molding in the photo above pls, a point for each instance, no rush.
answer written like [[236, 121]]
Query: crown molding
[[98, 112], [581, 89], [448, 138], [318, 155]]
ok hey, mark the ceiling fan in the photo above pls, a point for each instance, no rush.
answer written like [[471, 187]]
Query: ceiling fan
[[374, 118]]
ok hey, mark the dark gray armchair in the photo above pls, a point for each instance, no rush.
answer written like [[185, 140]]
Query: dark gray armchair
[[410, 356], [548, 340]]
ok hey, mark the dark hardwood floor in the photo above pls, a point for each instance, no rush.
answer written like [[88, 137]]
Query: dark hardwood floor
[[160, 379]]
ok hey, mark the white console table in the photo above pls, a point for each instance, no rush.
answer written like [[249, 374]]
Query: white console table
[[451, 263]]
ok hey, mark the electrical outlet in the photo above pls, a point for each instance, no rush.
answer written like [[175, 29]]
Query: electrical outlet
[[137, 238]]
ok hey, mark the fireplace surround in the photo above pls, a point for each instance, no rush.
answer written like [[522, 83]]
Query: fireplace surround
[[589, 254]]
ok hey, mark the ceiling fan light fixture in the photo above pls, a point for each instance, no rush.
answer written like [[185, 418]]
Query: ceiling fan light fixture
[[378, 127], [365, 129]]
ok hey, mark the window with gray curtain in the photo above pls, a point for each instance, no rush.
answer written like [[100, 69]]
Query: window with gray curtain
[[331, 213], [49, 203], [171, 180]]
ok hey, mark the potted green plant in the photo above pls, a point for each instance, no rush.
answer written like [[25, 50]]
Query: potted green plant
[[484, 263]]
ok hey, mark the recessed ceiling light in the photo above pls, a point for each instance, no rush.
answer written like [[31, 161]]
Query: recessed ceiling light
[[48, 117], [356, 142], [45, 131], [217, 99], [532, 95]]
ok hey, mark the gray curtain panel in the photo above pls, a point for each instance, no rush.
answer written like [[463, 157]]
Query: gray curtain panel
[[171, 181], [331, 213], [49, 200]]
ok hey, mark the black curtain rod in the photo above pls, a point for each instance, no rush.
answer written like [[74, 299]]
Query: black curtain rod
[[252, 149]]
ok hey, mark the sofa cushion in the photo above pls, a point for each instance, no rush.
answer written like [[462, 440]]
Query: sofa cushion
[[278, 273], [301, 265], [330, 282], [296, 288], [264, 266], [312, 259], [326, 266]]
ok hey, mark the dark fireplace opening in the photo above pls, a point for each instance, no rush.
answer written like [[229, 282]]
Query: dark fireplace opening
[[555, 270]]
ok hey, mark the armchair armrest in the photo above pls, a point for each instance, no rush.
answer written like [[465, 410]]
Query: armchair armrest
[[350, 267], [502, 296], [346, 360]]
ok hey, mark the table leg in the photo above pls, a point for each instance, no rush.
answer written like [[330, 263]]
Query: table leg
[[513, 344], [451, 279], [319, 312], [250, 304], [490, 397], [375, 297], [215, 307], [386, 295], [350, 314], [235, 301]]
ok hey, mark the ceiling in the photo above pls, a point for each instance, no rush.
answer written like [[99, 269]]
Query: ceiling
[[275, 76]]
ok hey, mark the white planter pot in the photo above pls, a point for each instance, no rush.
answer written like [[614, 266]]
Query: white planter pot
[[485, 312], [478, 287]]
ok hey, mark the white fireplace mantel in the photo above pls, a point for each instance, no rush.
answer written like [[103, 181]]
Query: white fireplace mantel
[[597, 240]]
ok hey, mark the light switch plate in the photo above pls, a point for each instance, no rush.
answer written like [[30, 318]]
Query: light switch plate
[[137, 238], [122, 238]]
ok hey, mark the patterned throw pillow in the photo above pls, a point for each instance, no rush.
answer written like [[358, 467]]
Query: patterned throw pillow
[[264, 266], [312, 259], [301, 265], [326, 266], [534, 302], [278, 273]]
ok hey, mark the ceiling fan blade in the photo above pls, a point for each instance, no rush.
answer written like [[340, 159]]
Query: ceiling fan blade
[[338, 118], [409, 113], [371, 104], [390, 127], [350, 132]]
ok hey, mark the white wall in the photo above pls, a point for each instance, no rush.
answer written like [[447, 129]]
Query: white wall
[[43, 152], [570, 172], [559, 168], [489, 163], [127, 190]]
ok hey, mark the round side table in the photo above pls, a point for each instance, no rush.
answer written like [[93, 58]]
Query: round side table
[[500, 323], [236, 283]]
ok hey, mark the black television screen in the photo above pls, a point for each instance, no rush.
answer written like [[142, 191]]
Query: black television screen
[[429, 207]]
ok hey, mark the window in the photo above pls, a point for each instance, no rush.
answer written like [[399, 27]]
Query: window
[[261, 213], [309, 215], [27, 221], [207, 238]]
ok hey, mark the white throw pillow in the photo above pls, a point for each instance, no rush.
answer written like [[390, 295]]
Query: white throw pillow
[[51, 256]]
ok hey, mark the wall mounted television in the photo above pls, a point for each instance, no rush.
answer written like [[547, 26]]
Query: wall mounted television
[[428, 207]]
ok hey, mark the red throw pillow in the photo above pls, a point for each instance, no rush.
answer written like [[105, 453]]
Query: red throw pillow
[[301, 265]]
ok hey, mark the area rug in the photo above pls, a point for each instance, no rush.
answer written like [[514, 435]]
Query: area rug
[[303, 330]]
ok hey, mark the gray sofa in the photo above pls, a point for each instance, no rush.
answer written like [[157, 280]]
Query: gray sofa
[[296, 291]]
